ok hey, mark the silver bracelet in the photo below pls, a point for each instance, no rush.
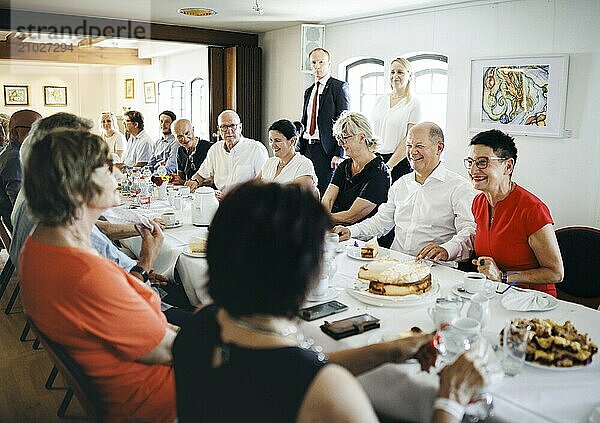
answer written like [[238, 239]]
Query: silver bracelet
[[450, 406]]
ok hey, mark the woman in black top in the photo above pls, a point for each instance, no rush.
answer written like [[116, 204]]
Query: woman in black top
[[361, 182], [243, 359]]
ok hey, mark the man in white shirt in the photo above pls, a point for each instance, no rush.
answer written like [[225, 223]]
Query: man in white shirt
[[231, 161], [430, 207], [139, 146]]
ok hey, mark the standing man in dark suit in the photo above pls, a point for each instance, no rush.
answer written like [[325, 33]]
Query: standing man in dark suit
[[324, 101]]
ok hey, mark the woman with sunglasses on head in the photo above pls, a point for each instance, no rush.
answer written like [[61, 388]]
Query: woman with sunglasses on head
[[105, 318], [515, 237], [361, 182], [111, 134]]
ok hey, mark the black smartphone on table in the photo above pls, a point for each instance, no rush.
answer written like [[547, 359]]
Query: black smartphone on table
[[321, 310], [351, 326]]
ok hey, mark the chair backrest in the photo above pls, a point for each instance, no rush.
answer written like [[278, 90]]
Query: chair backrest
[[580, 248], [73, 375], [5, 234]]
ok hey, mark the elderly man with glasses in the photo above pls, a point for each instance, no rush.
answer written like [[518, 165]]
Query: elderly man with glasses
[[10, 164], [231, 161], [430, 207]]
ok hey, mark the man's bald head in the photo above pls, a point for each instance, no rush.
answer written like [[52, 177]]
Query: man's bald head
[[20, 124], [432, 131], [184, 132]]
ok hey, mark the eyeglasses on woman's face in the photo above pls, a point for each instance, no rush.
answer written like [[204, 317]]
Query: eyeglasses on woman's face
[[343, 139], [480, 162]]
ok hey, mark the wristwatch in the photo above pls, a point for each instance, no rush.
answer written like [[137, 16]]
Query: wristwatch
[[196, 181], [141, 271], [504, 277]]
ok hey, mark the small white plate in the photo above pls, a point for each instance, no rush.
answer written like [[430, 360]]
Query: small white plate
[[330, 294], [361, 293], [558, 369], [354, 252], [174, 225], [464, 294], [186, 251]]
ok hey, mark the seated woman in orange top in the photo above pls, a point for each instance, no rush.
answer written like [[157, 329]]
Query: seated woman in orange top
[[515, 237], [105, 318]]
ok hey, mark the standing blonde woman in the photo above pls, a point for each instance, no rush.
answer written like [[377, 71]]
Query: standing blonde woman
[[361, 182], [111, 134], [393, 115]]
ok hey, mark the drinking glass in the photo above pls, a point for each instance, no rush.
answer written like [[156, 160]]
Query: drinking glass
[[514, 346]]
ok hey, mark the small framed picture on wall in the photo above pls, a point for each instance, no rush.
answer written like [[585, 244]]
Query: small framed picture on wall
[[149, 92], [55, 96], [129, 88], [16, 95]]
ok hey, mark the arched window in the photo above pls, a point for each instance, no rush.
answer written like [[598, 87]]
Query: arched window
[[431, 85], [366, 81], [170, 96]]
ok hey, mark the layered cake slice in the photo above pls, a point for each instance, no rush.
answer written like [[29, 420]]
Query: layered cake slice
[[396, 278], [370, 249]]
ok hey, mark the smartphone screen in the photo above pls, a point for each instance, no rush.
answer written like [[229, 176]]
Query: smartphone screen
[[321, 310]]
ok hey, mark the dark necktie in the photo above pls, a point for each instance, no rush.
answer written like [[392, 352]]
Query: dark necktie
[[313, 114]]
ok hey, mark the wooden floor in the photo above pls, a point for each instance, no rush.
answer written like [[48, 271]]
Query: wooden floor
[[23, 373]]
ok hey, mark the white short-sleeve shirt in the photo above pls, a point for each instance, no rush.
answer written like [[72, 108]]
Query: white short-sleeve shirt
[[116, 142], [139, 149], [390, 123], [297, 167], [229, 168]]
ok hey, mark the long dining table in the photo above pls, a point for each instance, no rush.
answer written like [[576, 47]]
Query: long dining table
[[402, 391]]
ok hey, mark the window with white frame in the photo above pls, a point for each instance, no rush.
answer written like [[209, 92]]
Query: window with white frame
[[366, 81], [170, 96], [430, 72]]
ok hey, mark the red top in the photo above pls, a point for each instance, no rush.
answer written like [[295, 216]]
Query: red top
[[106, 319], [516, 218]]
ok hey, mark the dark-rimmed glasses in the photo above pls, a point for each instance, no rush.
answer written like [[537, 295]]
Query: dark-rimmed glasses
[[480, 162], [343, 139]]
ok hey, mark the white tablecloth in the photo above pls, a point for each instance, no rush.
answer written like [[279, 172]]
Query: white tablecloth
[[535, 395]]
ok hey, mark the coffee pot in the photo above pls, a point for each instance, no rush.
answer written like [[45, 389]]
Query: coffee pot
[[204, 207]]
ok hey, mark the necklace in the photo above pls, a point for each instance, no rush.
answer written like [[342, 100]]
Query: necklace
[[286, 331]]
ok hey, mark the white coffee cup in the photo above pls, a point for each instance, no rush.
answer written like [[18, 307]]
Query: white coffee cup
[[319, 291], [169, 218], [476, 282], [184, 191]]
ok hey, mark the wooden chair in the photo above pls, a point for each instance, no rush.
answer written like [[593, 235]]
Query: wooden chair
[[579, 247], [77, 381]]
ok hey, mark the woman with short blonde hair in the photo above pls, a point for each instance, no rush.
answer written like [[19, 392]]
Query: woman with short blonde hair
[[361, 182], [111, 134]]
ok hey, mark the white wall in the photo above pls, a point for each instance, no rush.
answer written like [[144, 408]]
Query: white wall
[[563, 172]]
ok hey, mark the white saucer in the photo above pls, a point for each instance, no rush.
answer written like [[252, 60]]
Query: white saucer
[[330, 294], [174, 225], [354, 252], [186, 251], [464, 294]]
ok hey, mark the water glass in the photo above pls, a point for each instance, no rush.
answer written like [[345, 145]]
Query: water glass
[[514, 346]]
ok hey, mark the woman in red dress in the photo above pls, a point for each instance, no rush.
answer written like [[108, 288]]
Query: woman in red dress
[[515, 232]]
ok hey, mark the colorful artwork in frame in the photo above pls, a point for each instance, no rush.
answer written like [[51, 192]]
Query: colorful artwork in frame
[[129, 88], [16, 95], [55, 96], [521, 95]]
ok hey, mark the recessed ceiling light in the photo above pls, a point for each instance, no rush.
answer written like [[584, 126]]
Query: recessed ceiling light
[[196, 11]]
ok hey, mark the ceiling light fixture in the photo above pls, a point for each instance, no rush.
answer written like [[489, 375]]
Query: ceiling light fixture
[[258, 8], [196, 11]]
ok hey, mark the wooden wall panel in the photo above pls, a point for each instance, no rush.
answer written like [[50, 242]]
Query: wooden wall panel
[[216, 84]]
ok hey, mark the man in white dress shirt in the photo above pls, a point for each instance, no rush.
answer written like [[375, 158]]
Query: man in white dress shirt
[[139, 146], [430, 208], [233, 160]]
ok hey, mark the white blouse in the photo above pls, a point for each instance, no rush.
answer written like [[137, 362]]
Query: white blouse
[[298, 166], [390, 122], [116, 142]]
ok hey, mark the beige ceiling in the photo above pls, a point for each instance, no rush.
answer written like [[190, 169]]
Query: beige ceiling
[[234, 15]]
